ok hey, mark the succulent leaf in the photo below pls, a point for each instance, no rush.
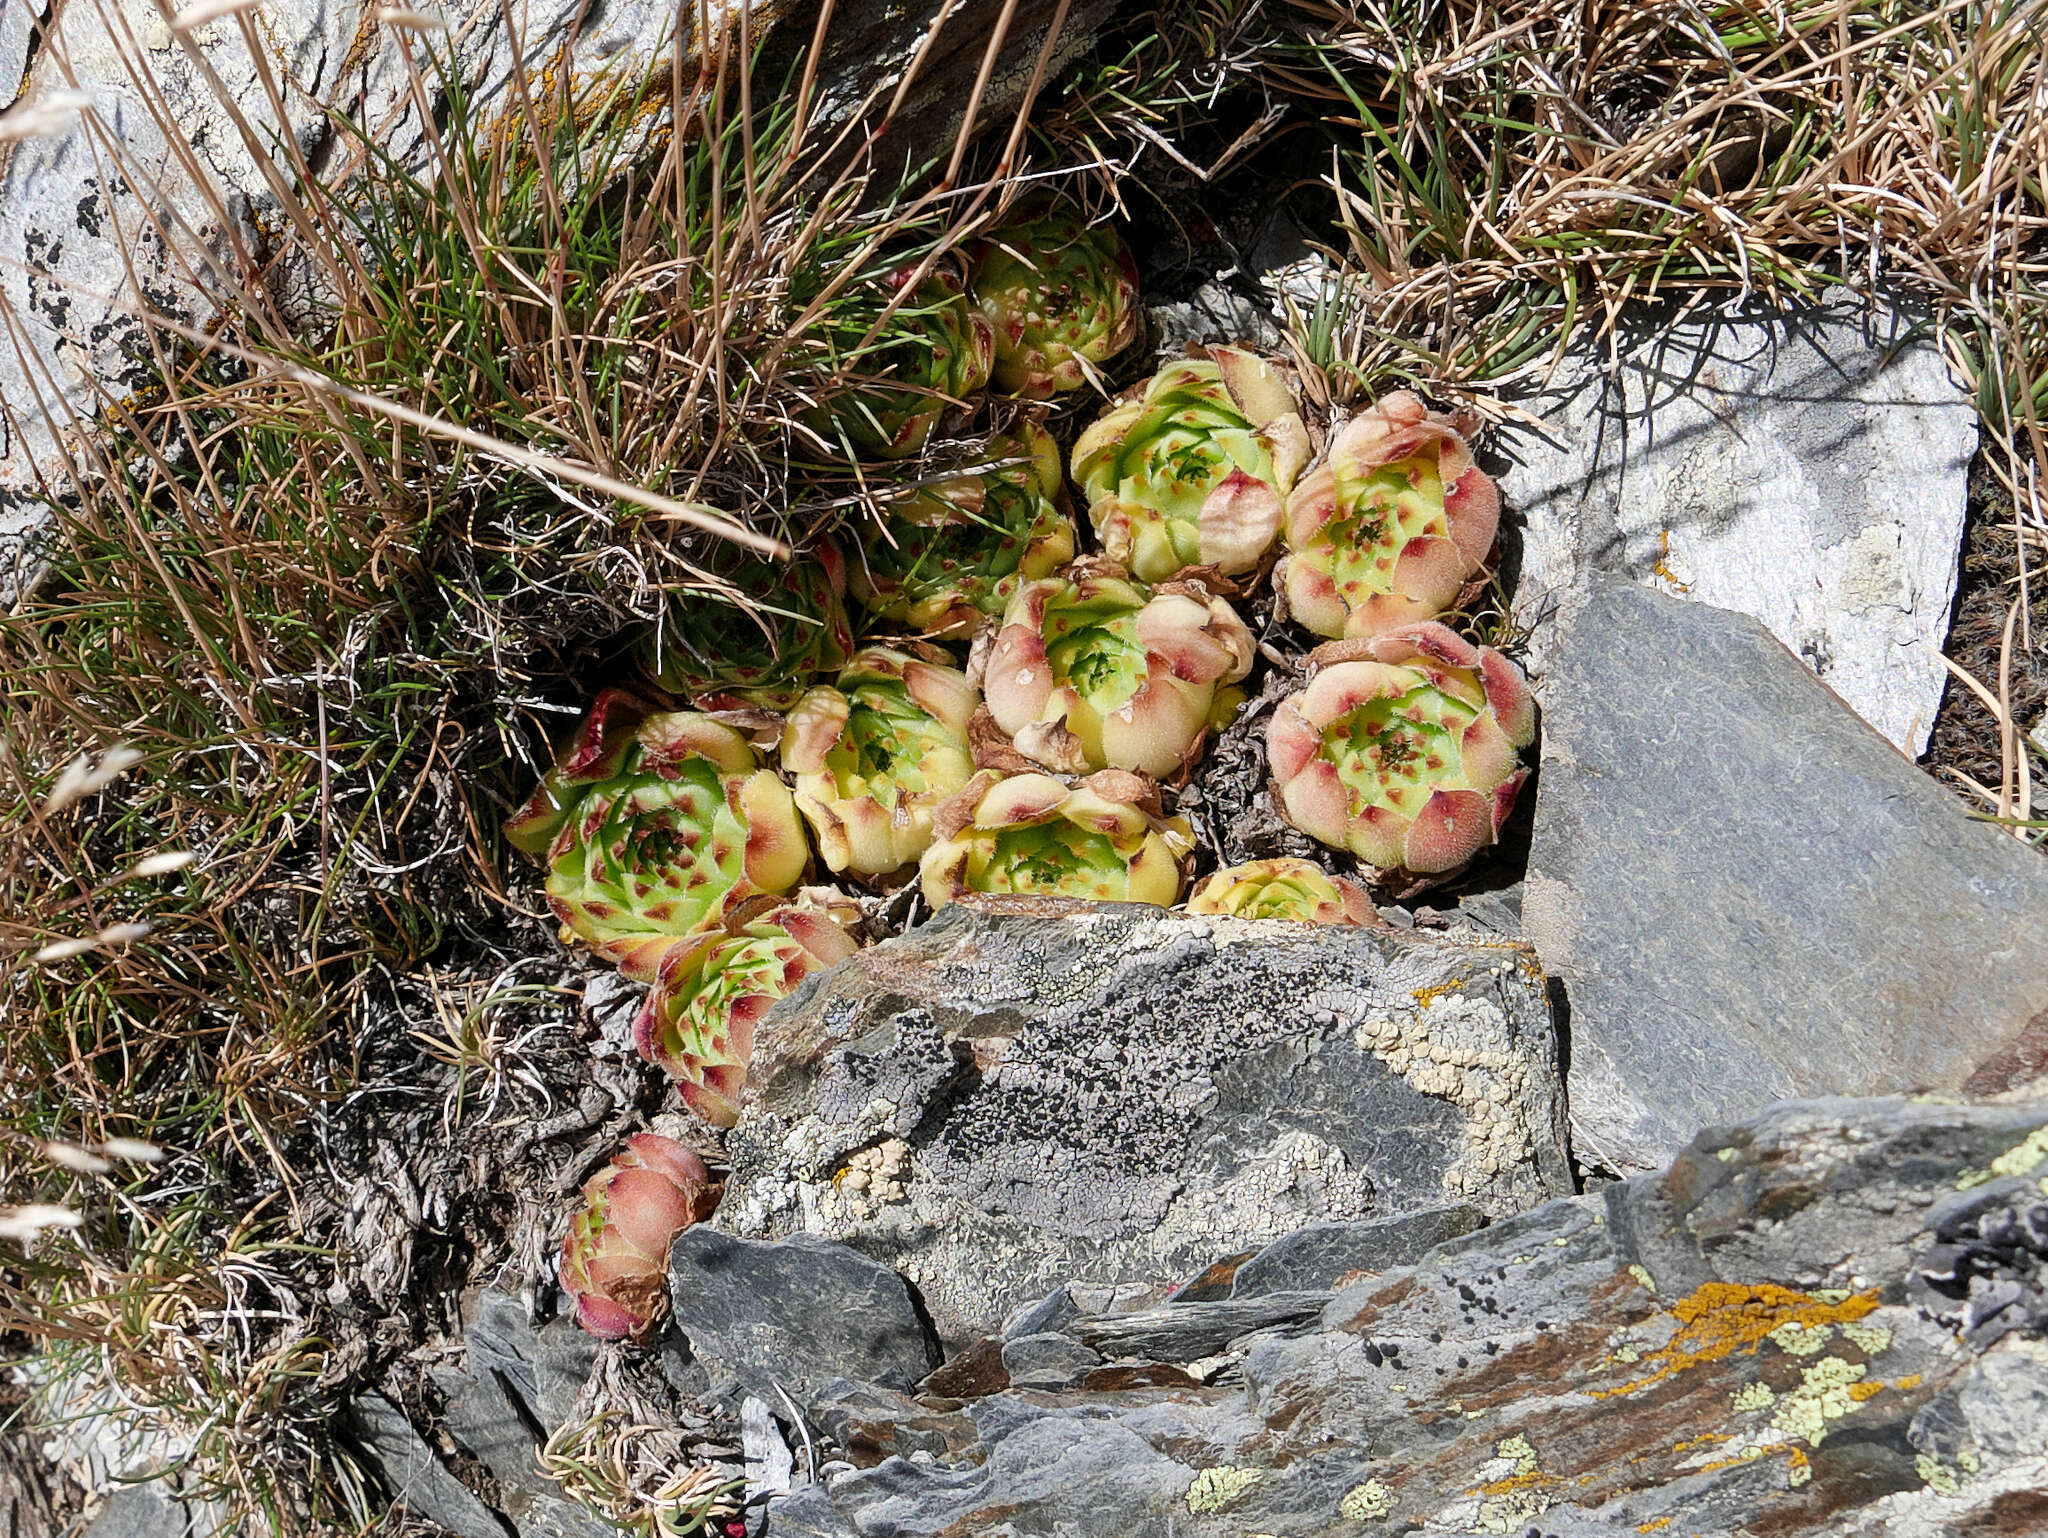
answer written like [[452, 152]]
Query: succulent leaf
[[711, 995], [955, 551], [1406, 756], [1390, 526], [674, 824], [1030, 834], [1285, 889], [1059, 292], [1195, 468], [932, 353], [615, 1256], [875, 754], [1091, 670], [720, 654]]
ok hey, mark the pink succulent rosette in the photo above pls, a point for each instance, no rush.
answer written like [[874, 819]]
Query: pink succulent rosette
[[1403, 748], [655, 826], [1194, 468], [1285, 888], [1387, 530], [711, 995], [1032, 835], [615, 1256], [1092, 671], [875, 752]]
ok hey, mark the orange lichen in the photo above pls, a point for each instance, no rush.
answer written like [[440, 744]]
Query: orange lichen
[[1719, 1319], [1861, 1392], [1653, 1524]]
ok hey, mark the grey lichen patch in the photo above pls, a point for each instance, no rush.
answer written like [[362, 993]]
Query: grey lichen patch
[[1368, 1502]]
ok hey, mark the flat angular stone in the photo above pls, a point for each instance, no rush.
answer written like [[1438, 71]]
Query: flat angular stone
[[1316, 1256], [1118, 1096], [418, 1479], [1807, 467], [1750, 896]]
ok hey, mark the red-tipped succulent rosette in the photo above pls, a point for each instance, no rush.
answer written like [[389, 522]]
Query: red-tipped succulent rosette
[[615, 1256], [1091, 670], [1061, 293], [655, 827], [1103, 840], [711, 995], [1403, 749], [1285, 888], [1390, 527]]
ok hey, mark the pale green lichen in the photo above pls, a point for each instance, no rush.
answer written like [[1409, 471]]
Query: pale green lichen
[[1970, 1178], [1753, 1396], [1367, 1502], [1868, 1338], [1825, 1395], [1643, 1277], [1833, 1294], [1518, 1449], [1933, 1474], [2024, 1157], [1216, 1488], [1802, 1339], [1727, 1155]]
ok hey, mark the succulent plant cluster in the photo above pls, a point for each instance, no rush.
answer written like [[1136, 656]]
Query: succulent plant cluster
[[1044, 762]]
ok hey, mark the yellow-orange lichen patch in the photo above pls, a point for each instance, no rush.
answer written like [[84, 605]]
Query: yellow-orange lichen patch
[[1719, 1319], [1653, 1525]]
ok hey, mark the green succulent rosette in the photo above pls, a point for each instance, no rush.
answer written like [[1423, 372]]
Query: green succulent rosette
[[950, 554], [1061, 294], [1194, 468], [711, 995], [885, 393], [1031, 835], [875, 753], [654, 827], [720, 654], [1284, 888], [1403, 748]]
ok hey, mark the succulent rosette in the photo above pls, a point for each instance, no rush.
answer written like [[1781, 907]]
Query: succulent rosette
[[709, 997], [953, 552], [1390, 526], [875, 753], [931, 353], [1403, 748], [615, 1256], [1061, 294], [762, 651], [1031, 835], [1195, 468], [655, 826], [1285, 889], [1091, 670]]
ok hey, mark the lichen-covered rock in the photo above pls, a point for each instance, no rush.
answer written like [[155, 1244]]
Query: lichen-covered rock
[[1730, 1346], [996, 1103]]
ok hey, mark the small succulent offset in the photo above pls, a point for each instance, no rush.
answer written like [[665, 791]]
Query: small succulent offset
[[1390, 526], [1285, 888], [1061, 293], [1031, 835], [1091, 670], [933, 350], [698, 1023], [1194, 470], [720, 654], [615, 1257], [874, 753], [953, 552], [656, 825], [1403, 748]]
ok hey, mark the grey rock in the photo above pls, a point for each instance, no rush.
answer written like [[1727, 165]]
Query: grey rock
[[1215, 314], [1186, 1332], [799, 1312], [1748, 895], [1316, 1256], [151, 1511], [18, 20], [1727, 1344], [1806, 467], [769, 1460], [418, 1479], [807, 1512], [520, 1384], [1051, 1312], [1115, 1097], [1047, 1361]]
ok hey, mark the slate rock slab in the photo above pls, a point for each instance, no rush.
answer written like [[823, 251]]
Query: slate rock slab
[[1805, 466], [1749, 896], [800, 1312], [1125, 1095], [418, 1479], [1318, 1255], [1731, 1345]]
